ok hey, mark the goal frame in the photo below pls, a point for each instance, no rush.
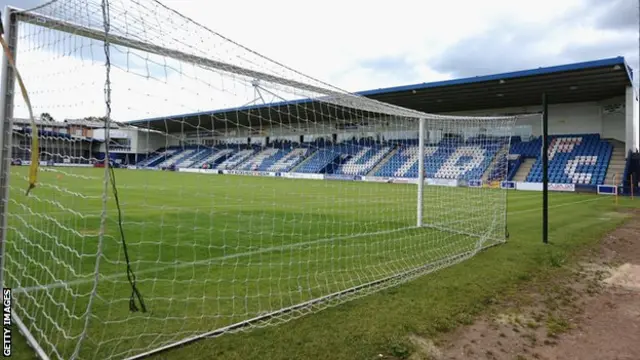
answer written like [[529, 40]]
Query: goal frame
[[12, 16], [7, 81]]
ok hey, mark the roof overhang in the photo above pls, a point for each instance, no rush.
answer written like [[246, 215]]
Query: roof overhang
[[580, 82]]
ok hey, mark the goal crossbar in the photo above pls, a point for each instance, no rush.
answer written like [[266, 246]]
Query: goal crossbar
[[95, 34], [340, 98]]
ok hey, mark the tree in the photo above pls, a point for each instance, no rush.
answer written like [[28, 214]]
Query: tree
[[46, 117]]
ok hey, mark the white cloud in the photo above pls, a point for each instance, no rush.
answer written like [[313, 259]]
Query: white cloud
[[330, 39], [339, 42]]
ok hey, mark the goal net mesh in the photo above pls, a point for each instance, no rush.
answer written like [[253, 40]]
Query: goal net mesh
[[210, 250]]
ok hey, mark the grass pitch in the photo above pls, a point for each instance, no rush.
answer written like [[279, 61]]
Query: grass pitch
[[210, 251]]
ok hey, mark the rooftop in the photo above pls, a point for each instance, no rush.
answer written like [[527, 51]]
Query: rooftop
[[59, 124], [578, 82]]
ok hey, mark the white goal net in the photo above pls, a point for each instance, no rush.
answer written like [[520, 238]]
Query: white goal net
[[294, 197]]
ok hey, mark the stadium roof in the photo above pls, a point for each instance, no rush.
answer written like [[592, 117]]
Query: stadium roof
[[578, 82]]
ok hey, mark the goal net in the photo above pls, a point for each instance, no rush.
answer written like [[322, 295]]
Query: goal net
[[158, 220]]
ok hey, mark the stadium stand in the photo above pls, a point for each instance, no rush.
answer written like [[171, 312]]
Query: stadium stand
[[158, 157], [513, 166], [404, 159], [494, 173], [290, 160], [360, 158], [55, 147], [321, 161], [617, 163], [190, 159], [275, 159], [466, 162], [257, 161], [178, 156], [450, 159], [236, 158], [197, 157], [573, 159], [213, 158]]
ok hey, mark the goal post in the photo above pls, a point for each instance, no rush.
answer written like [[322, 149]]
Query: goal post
[[196, 222], [421, 160], [6, 98]]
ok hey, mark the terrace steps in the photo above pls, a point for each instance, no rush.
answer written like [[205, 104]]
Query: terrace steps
[[383, 161], [524, 169], [616, 164], [301, 164], [504, 151]]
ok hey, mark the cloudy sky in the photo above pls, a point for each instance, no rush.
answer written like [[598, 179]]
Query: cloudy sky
[[359, 45]]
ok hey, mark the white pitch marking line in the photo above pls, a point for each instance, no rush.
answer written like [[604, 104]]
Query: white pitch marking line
[[221, 209], [250, 253], [558, 205]]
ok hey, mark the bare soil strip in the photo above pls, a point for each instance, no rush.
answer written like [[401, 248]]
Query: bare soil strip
[[592, 314]]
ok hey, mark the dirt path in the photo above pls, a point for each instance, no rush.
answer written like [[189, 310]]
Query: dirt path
[[594, 314]]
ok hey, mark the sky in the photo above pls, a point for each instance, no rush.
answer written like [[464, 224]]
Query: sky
[[353, 45]]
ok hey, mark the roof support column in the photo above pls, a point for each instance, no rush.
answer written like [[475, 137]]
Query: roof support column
[[632, 128]]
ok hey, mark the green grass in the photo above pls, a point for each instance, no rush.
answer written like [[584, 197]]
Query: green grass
[[211, 251]]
